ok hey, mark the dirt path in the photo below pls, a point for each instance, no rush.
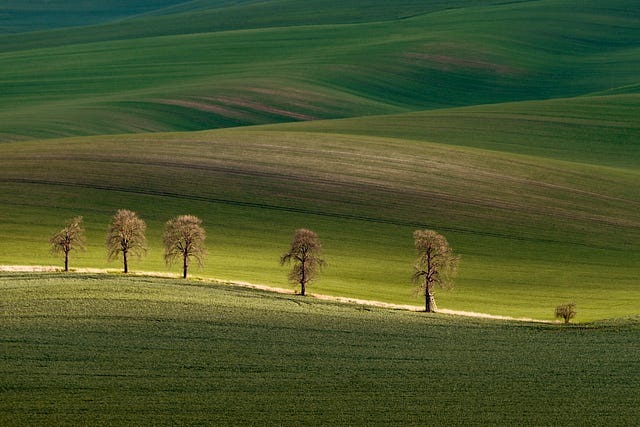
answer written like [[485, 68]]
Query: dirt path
[[421, 308], [47, 268]]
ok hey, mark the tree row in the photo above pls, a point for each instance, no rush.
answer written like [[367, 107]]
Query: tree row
[[184, 239]]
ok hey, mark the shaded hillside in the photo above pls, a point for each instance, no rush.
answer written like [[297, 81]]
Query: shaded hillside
[[149, 18], [105, 350], [23, 16]]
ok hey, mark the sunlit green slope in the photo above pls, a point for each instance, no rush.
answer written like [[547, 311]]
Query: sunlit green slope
[[313, 68], [534, 228]]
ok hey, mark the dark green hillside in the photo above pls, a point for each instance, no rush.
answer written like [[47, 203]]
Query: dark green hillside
[[108, 350], [22, 16], [200, 16], [463, 56]]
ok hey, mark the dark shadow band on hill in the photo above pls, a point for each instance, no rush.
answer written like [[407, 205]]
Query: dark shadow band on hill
[[296, 210]]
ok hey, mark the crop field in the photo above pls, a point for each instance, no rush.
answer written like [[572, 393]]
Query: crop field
[[533, 228], [512, 128], [106, 80], [108, 349], [18, 16]]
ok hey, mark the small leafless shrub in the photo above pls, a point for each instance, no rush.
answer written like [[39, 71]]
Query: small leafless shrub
[[566, 312]]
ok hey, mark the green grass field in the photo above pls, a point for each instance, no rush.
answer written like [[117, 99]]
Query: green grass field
[[534, 229], [531, 170], [510, 127], [401, 58], [107, 349], [18, 17]]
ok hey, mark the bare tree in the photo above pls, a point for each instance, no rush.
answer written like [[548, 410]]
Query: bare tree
[[184, 238], [566, 312], [436, 265], [305, 253], [69, 238], [126, 235]]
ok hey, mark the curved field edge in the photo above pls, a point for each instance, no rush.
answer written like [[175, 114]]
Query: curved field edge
[[534, 232], [144, 18], [599, 130], [122, 350], [210, 280]]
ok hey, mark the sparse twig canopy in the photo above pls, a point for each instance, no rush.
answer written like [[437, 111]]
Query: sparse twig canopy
[[436, 264], [184, 238], [305, 253], [69, 238], [566, 312], [126, 235]]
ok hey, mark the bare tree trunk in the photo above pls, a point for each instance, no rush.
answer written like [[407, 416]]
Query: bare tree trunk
[[429, 303], [303, 281], [126, 263], [185, 266], [427, 297], [66, 260], [427, 285]]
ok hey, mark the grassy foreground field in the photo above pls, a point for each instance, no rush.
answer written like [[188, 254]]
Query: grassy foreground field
[[510, 127], [104, 349]]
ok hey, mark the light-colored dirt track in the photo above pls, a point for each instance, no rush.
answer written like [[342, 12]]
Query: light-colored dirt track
[[48, 268]]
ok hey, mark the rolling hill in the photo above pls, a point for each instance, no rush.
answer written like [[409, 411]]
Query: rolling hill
[[510, 127], [530, 223], [97, 80], [39, 15]]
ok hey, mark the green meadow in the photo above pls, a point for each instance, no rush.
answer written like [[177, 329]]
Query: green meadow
[[114, 350], [393, 59], [512, 128], [533, 228], [18, 17]]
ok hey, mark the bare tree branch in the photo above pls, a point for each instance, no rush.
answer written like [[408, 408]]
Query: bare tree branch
[[69, 238], [126, 235], [305, 251], [183, 238], [436, 264], [566, 312]]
